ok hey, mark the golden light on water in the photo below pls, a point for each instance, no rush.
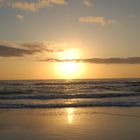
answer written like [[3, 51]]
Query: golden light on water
[[70, 115]]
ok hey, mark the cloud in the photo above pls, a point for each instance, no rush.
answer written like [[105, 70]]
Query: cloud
[[24, 5], [88, 3], [20, 17], [129, 60], [97, 20], [58, 1], [34, 5], [13, 49], [1, 3], [21, 49]]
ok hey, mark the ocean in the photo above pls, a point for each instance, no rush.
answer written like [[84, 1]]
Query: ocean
[[69, 93]]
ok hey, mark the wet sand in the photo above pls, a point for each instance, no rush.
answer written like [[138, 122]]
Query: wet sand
[[70, 124]]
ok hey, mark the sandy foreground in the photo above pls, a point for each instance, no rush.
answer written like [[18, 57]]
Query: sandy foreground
[[70, 124]]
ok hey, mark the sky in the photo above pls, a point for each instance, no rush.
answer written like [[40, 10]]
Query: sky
[[60, 39]]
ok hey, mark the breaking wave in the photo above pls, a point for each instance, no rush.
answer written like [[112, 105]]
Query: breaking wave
[[118, 92]]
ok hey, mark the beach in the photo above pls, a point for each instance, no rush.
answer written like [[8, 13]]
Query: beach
[[107, 109], [70, 124]]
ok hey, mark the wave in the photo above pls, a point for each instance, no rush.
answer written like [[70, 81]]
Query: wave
[[94, 104], [88, 82], [94, 93], [71, 82], [68, 96], [20, 92]]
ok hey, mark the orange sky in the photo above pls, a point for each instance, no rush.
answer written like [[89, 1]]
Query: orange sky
[[69, 39]]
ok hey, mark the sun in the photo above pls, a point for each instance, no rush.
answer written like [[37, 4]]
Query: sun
[[70, 54], [69, 69]]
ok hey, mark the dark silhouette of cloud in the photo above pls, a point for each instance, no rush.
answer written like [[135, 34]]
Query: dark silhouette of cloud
[[14, 49], [129, 60], [8, 49], [15, 52]]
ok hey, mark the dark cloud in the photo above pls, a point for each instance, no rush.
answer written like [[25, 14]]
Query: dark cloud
[[12, 49], [8, 49], [129, 60]]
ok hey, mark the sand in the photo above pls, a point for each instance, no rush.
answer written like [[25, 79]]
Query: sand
[[70, 124]]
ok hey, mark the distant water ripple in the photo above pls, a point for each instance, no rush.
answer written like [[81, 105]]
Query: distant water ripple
[[70, 93]]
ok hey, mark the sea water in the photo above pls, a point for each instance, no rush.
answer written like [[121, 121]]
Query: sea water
[[69, 93]]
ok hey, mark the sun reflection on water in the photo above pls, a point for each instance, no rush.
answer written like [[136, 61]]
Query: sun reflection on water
[[70, 115]]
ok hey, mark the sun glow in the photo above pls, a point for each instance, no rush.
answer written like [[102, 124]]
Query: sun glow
[[69, 69], [70, 54]]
